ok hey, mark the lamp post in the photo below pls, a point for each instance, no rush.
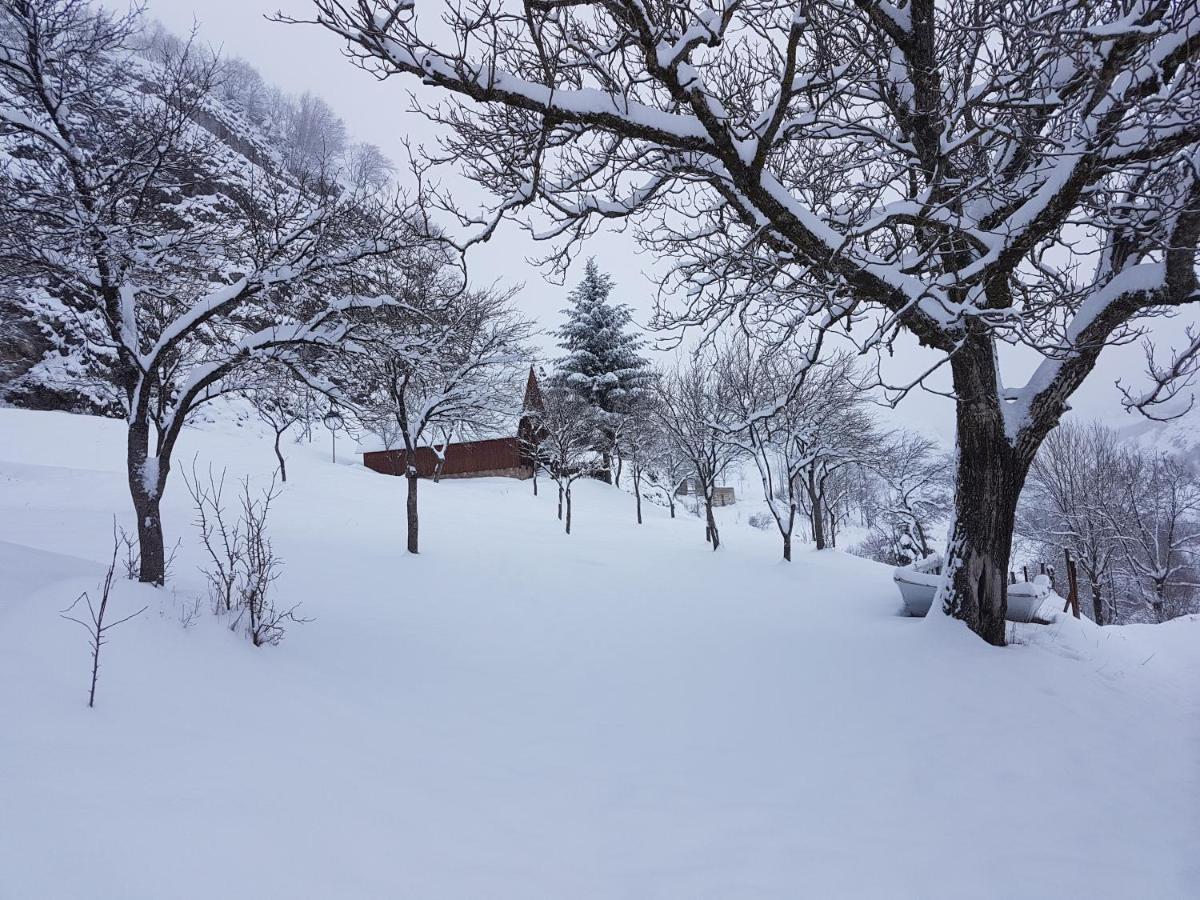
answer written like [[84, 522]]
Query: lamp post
[[333, 421]]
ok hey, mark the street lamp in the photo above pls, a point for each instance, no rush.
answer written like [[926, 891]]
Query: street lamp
[[333, 421]]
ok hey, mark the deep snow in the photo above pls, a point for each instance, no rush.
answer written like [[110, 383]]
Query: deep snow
[[520, 714]]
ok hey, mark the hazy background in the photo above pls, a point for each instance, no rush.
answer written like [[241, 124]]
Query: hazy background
[[305, 58]]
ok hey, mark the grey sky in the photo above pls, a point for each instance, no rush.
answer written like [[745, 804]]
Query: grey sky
[[300, 58]]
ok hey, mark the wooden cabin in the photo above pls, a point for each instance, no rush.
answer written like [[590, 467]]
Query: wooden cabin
[[501, 457]]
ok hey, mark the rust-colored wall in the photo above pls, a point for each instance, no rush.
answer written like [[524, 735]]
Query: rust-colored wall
[[501, 456]]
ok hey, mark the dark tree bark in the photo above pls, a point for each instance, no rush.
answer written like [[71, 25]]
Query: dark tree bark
[[411, 476], [787, 547], [817, 516], [568, 494], [147, 475], [560, 502], [1097, 603], [711, 521], [279, 456], [637, 490], [990, 472]]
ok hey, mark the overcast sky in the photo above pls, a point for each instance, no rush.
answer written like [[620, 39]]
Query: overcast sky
[[305, 58]]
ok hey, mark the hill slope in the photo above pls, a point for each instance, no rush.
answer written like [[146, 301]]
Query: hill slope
[[520, 714]]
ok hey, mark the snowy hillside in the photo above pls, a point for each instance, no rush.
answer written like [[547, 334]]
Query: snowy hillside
[[513, 714]]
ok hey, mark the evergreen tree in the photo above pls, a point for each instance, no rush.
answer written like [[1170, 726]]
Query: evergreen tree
[[602, 365]]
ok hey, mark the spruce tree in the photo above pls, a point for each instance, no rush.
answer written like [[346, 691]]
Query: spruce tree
[[602, 365]]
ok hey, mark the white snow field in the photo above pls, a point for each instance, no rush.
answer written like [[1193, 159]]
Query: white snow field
[[520, 714]]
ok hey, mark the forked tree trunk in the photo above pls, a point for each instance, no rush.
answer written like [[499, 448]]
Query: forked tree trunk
[[711, 520], [411, 476], [147, 475]]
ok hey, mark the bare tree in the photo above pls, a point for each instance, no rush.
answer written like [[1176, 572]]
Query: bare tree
[[916, 487], [692, 412], [1073, 501], [96, 627], [976, 174], [180, 259], [279, 401], [447, 360], [566, 429], [1160, 531]]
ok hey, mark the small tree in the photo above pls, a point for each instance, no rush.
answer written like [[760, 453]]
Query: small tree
[[566, 429], [96, 626], [446, 360], [280, 402], [602, 365], [692, 412]]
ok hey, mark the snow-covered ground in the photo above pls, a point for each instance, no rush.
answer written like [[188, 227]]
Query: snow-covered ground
[[520, 714]]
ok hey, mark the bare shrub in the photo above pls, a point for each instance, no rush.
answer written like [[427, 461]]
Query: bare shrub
[[242, 564]]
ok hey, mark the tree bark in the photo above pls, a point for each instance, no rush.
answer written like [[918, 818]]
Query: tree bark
[[711, 520], [411, 476], [990, 473], [568, 493], [1097, 603], [787, 547], [637, 491], [560, 502], [279, 456], [146, 478], [818, 520]]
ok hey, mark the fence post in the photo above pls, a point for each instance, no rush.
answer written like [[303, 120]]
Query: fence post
[[1072, 586]]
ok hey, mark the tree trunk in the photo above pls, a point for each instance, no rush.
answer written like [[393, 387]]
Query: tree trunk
[[411, 475], [712, 523], [989, 476], [560, 502], [606, 474], [279, 456], [818, 523], [1097, 603], [637, 492], [787, 547], [568, 493], [147, 475], [617, 472]]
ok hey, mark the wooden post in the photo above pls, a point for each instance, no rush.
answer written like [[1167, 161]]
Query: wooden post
[[1072, 586]]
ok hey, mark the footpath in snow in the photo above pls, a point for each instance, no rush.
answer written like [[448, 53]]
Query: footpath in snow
[[520, 714]]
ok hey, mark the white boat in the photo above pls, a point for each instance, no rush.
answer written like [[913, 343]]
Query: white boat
[[918, 583]]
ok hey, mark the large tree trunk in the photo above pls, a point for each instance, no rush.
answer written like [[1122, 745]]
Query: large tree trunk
[[147, 475], [787, 546], [990, 473], [411, 476], [1097, 602]]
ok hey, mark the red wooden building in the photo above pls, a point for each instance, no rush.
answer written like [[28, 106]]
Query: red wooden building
[[506, 457]]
